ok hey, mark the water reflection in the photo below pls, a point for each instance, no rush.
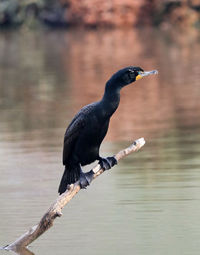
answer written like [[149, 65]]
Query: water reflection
[[64, 75], [151, 200]]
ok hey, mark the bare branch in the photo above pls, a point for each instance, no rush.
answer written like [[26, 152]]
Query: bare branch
[[55, 209]]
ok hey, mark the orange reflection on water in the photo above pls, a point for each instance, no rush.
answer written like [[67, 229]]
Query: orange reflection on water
[[153, 106], [46, 81]]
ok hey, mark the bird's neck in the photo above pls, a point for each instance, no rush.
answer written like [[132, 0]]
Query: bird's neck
[[111, 99]]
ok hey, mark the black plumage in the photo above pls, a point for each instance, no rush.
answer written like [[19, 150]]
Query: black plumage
[[88, 128]]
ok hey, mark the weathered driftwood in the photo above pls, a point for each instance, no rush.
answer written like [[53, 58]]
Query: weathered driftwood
[[55, 209], [22, 251]]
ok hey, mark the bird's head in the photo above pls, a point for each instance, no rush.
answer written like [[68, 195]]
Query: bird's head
[[130, 74]]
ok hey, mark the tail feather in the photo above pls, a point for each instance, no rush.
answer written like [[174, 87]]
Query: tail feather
[[70, 175]]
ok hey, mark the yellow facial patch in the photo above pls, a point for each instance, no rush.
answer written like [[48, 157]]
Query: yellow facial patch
[[138, 77]]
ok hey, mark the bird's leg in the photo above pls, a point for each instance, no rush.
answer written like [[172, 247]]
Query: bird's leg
[[85, 178], [107, 163]]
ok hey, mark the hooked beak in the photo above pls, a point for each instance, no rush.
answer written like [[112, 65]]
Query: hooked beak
[[145, 73]]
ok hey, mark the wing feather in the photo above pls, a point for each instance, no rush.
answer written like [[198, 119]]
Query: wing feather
[[73, 131]]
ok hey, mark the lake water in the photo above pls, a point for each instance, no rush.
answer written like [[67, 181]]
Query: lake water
[[149, 203]]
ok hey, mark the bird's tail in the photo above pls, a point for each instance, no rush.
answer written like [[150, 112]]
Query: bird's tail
[[70, 175]]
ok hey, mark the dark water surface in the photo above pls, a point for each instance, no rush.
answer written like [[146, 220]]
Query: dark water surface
[[149, 204]]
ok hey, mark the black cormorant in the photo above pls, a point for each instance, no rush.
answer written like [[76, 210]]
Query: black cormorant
[[88, 128]]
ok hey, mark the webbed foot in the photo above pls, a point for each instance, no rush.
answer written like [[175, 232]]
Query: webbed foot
[[85, 179], [107, 163]]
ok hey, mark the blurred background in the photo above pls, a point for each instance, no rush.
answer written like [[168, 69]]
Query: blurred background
[[55, 57]]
